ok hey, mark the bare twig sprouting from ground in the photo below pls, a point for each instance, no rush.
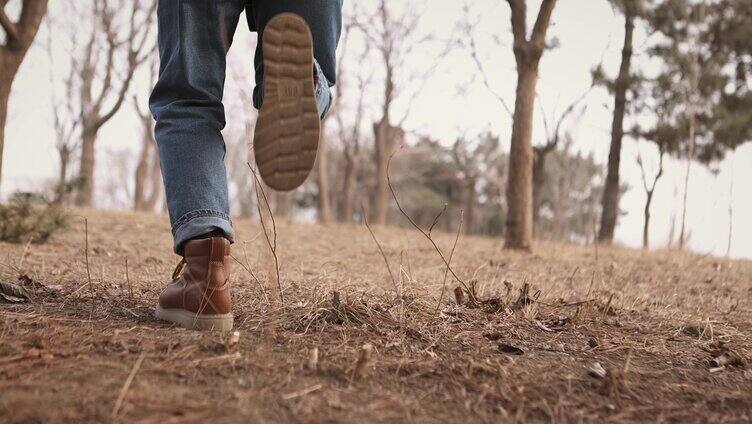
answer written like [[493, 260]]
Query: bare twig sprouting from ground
[[25, 251], [88, 269], [524, 299], [381, 250], [88, 283], [272, 242], [438, 216], [127, 384], [422, 231], [571, 277], [615, 380], [250, 272], [231, 343], [313, 359], [128, 280], [364, 361], [595, 239], [459, 296], [451, 255], [248, 268], [628, 361]]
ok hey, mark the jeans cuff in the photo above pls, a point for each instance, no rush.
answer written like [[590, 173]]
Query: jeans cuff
[[200, 222], [323, 91]]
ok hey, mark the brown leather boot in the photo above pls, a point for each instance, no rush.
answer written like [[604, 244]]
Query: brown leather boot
[[199, 296]]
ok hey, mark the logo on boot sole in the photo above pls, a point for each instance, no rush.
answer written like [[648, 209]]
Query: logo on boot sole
[[290, 90]]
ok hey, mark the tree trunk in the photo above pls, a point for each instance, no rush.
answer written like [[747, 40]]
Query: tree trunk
[[147, 182], [62, 188], [731, 210], [348, 209], [539, 180], [86, 169], [382, 152], [64, 162], [322, 180], [141, 176], [155, 178], [8, 67], [12, 52], [672, 220], [519, 226], [4, 96], [471, 199], [685, 195], [611, 190], [692, 112], [646, 225], [283, 205]]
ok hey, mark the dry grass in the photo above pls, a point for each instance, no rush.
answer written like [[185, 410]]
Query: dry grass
[[671, 332]]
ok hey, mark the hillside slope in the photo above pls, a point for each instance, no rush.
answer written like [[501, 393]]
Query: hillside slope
[[656, 322]]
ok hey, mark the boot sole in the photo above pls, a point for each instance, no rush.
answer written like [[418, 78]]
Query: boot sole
[[287, 131], [193, 321]]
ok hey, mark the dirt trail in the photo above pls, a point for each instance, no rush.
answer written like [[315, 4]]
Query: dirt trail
[[657, 324]]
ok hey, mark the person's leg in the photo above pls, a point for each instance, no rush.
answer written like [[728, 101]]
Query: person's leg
[[324, 18], [295, 68], [193, 38]]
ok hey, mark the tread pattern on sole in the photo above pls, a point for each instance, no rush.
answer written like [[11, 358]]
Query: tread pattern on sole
[[287, 132]]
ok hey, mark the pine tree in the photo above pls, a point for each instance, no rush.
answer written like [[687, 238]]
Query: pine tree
[[702, 94], [621, 88]]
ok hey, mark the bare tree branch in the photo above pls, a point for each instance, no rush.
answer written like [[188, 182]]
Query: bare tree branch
[[650, 189], [519, 20], [11, 31], [423, 81], [474, 55], [542, 22], [142, 31], [545, 118], [19, 35]]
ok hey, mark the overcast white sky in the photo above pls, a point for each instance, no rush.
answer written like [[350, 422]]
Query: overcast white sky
[[587, 30]]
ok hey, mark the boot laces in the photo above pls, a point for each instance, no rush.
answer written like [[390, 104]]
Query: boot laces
[[178, 269]]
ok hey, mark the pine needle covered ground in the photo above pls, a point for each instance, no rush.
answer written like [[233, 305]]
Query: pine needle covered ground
[[564, 334]]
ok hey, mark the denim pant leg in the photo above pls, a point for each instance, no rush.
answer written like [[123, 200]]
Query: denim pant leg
[[193, 38], [324, 17]]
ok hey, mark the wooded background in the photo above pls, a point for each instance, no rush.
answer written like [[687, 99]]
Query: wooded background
[[679, 91]]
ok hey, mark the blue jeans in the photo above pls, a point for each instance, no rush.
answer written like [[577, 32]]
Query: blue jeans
[[186, 102]]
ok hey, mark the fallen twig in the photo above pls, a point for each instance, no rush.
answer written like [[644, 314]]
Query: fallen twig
[[13, 293], [302, 392], [127, 384], [231, 356]]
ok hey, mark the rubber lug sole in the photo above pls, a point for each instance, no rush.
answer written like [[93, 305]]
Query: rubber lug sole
[[287, 131], [192, 321]]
